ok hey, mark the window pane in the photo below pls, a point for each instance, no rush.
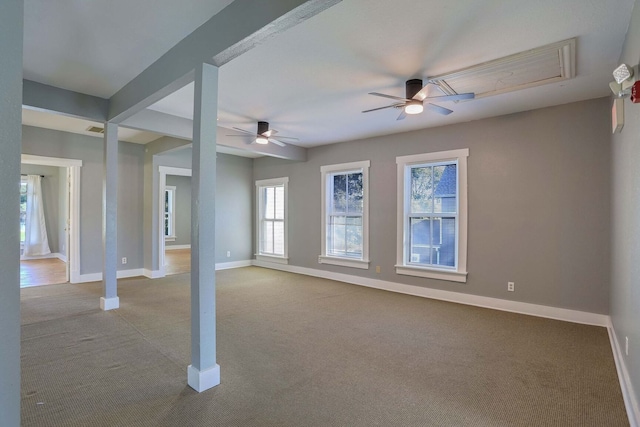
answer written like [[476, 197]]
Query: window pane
[[278, 238], [355, 191], [420, 241], [337, 244], [354, 236], [269, 202], [446, 254], [433, 241], [279, 202], [444, 181], [422, 189], [267, 236], [166, 225], [339, 195]]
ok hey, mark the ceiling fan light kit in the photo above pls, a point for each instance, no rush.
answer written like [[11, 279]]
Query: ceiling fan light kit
[[264, 135], [416, 94], [414, 107]]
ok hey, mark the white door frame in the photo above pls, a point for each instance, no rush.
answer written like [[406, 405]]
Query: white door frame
[[73, 229], [163, 171]]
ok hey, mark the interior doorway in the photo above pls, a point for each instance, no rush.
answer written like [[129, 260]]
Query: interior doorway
[[175, 220], [49, 220]]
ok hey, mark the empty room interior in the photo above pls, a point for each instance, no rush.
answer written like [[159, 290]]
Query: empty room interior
[[319, 212]]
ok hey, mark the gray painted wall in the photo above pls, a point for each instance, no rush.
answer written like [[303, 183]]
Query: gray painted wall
[[625, 252], [51, 200], [11, 31], [50, 143], [183, 209], [234, 195], [234, 203], [538, 203]]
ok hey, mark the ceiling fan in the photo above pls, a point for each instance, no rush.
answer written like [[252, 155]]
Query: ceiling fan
[[416, 95], [264, 135]]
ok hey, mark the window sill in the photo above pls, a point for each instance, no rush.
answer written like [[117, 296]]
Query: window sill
[[344, 262], [432, 273], [272, 258], [170, 238]]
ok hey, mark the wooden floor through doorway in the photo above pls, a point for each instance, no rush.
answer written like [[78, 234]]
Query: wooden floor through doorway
[[177, 261], [47, 271]]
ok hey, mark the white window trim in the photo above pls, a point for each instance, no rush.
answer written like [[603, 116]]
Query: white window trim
[[345, 262], [284, 259], [172, 237], [458, 274]]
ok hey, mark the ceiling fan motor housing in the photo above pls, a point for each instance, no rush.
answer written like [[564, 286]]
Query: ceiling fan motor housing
[[262, 127], [412, 87]]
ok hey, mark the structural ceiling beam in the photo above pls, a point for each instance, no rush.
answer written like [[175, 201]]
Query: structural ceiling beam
[[180, 127], [41, 97]]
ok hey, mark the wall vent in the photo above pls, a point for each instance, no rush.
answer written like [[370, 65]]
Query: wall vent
[[535, 67], [95, 129]]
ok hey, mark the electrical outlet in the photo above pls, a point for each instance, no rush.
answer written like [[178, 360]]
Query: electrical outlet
[[124, 260], [228, 254], [377, 269], [626, 346], [511, 286]]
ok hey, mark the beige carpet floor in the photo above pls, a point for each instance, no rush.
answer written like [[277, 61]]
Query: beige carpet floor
[[301, 351]]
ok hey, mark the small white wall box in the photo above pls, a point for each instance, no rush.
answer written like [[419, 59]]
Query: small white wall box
[[617, 115]]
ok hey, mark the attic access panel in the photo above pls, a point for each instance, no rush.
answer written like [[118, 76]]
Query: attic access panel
[[535, 67]]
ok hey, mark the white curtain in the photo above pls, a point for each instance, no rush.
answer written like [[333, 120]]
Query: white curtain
[[35, 240]]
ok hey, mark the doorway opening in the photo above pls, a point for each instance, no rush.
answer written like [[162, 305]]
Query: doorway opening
[[49, 218], [175, 220]]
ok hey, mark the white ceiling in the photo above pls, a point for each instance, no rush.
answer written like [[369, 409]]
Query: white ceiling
[[311, 82]]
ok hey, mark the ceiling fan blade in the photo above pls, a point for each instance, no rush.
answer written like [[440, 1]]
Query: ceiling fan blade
[[270, 133], [275, 141], [388, 96], [438, 109], [382, 108], [456, 97], [422, 94], [244, 131], [243, 136], [288, 137], [402, 115]]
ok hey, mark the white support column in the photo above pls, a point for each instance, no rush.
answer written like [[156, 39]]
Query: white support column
[[110, 299], [11, 18], [204, 373]]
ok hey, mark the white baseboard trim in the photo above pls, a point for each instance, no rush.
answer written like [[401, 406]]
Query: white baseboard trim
[[233, 264], [567, 315], [109, 303], [174, 247], [628, 394], [153, 274], [58, 255], [121, 274], [203, 380]]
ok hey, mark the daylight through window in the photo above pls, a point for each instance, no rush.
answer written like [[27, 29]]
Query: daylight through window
[[432, 199]]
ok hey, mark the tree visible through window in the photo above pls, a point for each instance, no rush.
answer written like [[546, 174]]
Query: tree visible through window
[[345, 214], [432, 215]]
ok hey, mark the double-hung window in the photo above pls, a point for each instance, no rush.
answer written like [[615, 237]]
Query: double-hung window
[[432, 215], [271, 195], [345, 214], [170, 213]]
